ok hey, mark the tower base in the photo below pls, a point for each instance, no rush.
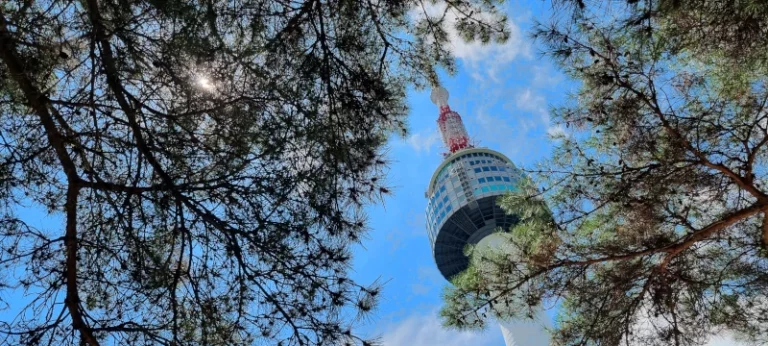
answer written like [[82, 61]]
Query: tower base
[[526, 332]]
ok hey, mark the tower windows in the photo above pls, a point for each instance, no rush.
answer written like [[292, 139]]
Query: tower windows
[[487, 174]]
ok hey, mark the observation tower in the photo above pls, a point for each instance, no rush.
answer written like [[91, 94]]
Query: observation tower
[[462, 207], [462, 193]]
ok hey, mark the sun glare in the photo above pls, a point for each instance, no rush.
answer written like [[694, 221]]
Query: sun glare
[[205, 83]]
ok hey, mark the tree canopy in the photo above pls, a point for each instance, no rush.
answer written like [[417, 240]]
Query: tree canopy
[[647, 225], [205, 163]]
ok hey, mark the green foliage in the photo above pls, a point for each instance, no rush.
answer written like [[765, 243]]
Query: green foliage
[[657, 193], [484, 289], [730, 37], [209, 162]]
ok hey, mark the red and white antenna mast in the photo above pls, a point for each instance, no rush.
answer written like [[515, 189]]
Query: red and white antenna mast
[[452, 129]]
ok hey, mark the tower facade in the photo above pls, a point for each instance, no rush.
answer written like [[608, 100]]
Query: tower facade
[[463, 210]]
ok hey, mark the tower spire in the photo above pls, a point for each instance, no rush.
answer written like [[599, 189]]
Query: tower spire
[[452, 129]]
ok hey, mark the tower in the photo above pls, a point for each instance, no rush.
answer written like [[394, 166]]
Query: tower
[[462, 193], [462, 208]]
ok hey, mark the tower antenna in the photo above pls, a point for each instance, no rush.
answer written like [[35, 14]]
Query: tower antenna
[[452, 129]]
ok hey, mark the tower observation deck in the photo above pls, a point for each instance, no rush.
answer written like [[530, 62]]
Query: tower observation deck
[[462, 193]]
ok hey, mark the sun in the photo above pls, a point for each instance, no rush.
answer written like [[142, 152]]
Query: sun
[[204, 83]]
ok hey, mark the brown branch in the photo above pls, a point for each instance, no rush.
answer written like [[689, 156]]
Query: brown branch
[[711, 229], [652, 102], [744, 183], [752, 154], [72, 299], [113, 81], [131, 113], [292, 23], [672, 249], [40, 104], [111, 187], [37, 101], [765, 230], [677, 247]]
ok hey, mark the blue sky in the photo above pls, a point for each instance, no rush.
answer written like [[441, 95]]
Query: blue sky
[[503, 93]]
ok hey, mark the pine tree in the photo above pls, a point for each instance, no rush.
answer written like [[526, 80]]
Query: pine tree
[[208, 162], [729, 35], [657, 233]]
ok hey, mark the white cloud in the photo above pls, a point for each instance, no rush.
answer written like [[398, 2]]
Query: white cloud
[[544, 77], [506, 128], [509, 130], [424, 141], [429, 281], [498, 132], [484, 59], [648, 324], [532, 102], [426, 330], [395, 239], [420, 289], [724, 340], [557, 132]]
